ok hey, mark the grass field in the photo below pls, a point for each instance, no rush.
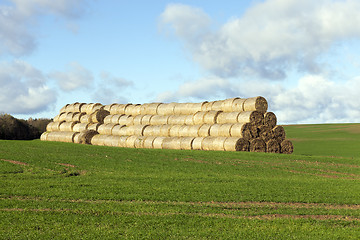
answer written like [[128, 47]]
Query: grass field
[[60, 190]]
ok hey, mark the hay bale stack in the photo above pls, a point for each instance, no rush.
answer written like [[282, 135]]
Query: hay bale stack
[[253, 117], [228, 117], [54, 126], [236, 144], [67, 126], [158, 142], [186, 143], [257, 145], [148, 142], [171, 143], [177, 119], [94, 126], [98, 115], [256, 104], [119, 130], [106, 128], [65, 136], [166, 109], [133, 109], [159, 120], [197, 143], [149, 108], [86, 136], [78, 127]]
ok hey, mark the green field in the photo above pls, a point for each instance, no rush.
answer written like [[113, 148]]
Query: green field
[[70, 191]]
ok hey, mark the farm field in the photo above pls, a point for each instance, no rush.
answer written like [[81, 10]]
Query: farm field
[[63, 190]]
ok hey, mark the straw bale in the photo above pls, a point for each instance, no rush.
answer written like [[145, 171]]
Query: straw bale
[[152, 130], [181, 108], [107, 128], [56, 118], [62, 117], [198, 118], [220, 130], [227, 105], [159, 120], [67, 126], [278, 133], [270, 119], [108, 107], [166, 109], [148, 142], [86, 118], [63, 109], [236, 144], [189, 119], [137, 130], [126, 120], [98, 115], [158, 141], [215, 130], [197, 107], [89, 108], [137, 119], [217, 105], [146, 119], [80, 127], [165, 130], [130, 141], [93, 126], [115, 118], [175, 130], [265, 133], [257, 145], [254, 130], [99, 140], [118, 109], [189, 131], [149, 108], [256, 104], [171, 143], [77, 116], [76, 107], [112, 141], [218, 143], [272, 146], [197, 143], [253, 117], [133, 109], [119, 130], [206, 106], [108, 118], [86, 136], [287, 147], [122, 141], [227, 117], [43, 136], [238, 105], [177, 119], [139, 142], [211, 116], [69, 116], [76, 137], [204, 130], [186, 143], [207, 143], [53, 126], [61, 136], [241, 130]]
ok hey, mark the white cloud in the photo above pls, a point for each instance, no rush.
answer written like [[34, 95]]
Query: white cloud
[[76, 77], [271, 38], [23, 89]]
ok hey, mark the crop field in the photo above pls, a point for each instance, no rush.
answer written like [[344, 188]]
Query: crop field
[[53, 190]]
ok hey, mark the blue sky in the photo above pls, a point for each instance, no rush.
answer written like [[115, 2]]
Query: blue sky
[[302, 56]]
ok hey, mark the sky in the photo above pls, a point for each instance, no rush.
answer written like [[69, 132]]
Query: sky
[[302, 56]]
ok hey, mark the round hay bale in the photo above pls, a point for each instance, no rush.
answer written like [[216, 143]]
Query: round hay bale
[[211, 116], [253, 117], [189, 131], [126, 120], [43, 136], [149, 108], [186, 143], [77, 116], [227, 105], [91, 107], [218, 143], [256, 104], [122, 141], [175, 130], [197, 143], [236, 144], [220, 130], [63, 109], [265, 133], [146, 119], [159, 120], [112, 141], [287, 147], [177, 119], [257, 145], [93, 126], [98, 140], [133, 109], [241, 130], [118, 109], [130, 141], [158, 141], [227, 117], [152, 130], [215, 130], [69, 116], [238, 105], [86, 118], [54, 126], [217, 105], [56, 118], [272, 146], [76, 137], [108, 118], [98, 115], [207, 143], [115, 118], [198, 118], [148, 142], [77, 107], [137, 130], [166, 109], [206, 106], [63, 136], [108, 107], [270, 119], [165, 130], [119, 130], [137, 119], [86, 136], [189, 119], [204, 130], [278, 133], [70, 108], [171, 143], [139, 142], [197, 107], [67, 126], [62, 117], [107, 128], [78, 127], [181, 108]]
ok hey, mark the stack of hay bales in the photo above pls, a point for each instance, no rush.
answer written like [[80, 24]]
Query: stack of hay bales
[[234, 124]]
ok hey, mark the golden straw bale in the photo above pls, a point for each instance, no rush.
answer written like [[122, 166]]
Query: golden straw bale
[[122, 141], [270, 119], [89, 108], [159, 120], [67, 126], [257, 145], [189, 119], [204, 130], [227, 117], [198, 118], [186, 143], [108, 118], [165, 130], [139, 142], [196, 107], [215, 130], [63, 109], [256, 104], [152, 130], [206, 106], [69, 116], [171, 143], [236, 144], [177, 119], [272, 146], [119, 130], [86, 118], [265, 133], [137, 130], [149, 108], [118, 109], [241, 130], [217, 105], [65, 136], [158, 141], [126, 120], [137, 119], [130, 141], [76, 107], [108, 107], [228, 104], [133, 109], [56, 118], [278, 133], [99, 140], [207, 143], [53, 126], [211, 116], [166, 109], [238, 105], [287, 147], [77, 116], [220, 130], [148, 142], [106, 128], [145, 120], [253, 117], [80, 127], [190, 130], [115, 118], [43, 136], [86, 136], [197, 143], [181, 108], [76, 137], [93, 126], [218, 143], [62, 117], [98, 115], [175, 130]]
